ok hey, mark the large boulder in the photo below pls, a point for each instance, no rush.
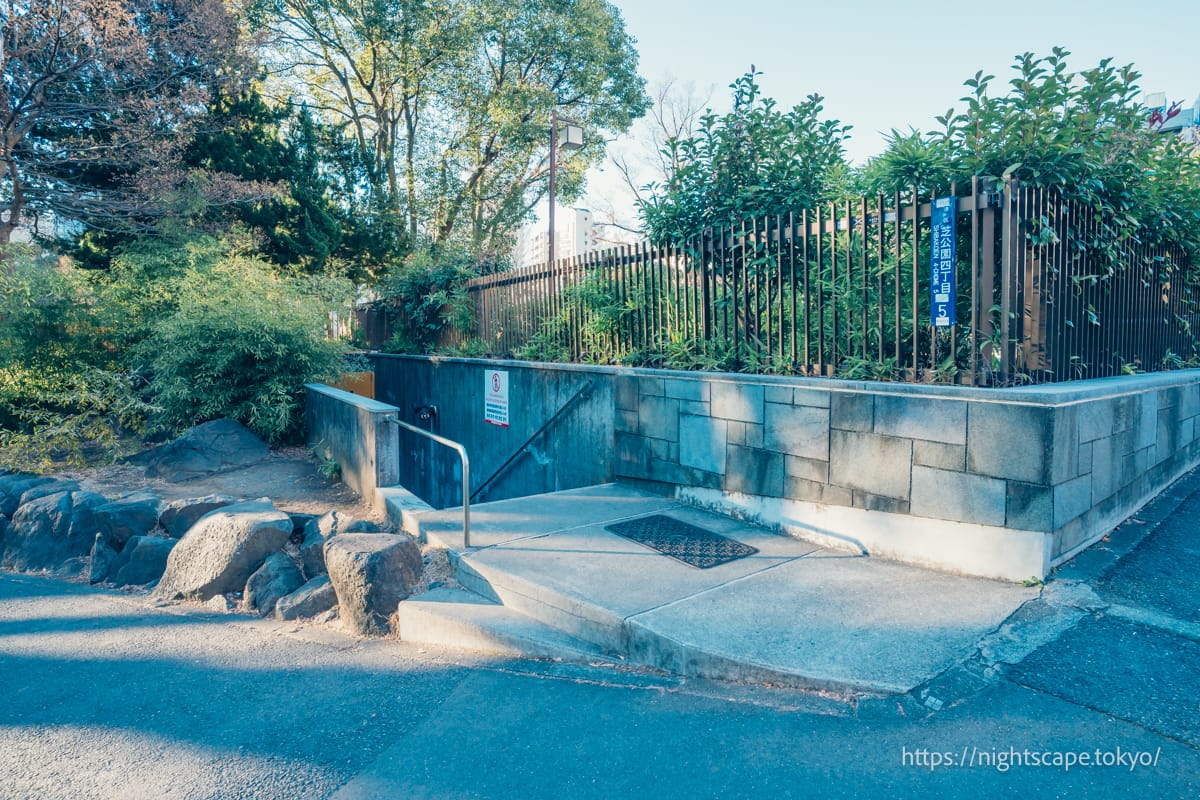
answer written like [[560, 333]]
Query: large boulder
[[221, 551], [277, 577], [50, 530], [13, 486], [143, 560], [372, 573], [102, 559], [320, 530], [217, 446], [315, 597], [123, 519], [46, 489], [179, 515]]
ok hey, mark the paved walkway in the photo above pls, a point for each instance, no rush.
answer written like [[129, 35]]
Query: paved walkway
[[790, 614]]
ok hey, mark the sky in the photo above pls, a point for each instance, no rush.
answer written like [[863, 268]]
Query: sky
[[883, 65]]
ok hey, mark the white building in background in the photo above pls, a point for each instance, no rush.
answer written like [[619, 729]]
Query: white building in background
[[575, 234], [1174, 117]]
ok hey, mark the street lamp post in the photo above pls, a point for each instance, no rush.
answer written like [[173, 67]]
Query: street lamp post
[[572, 139]]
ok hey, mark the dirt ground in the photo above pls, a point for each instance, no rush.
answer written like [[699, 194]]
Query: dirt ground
[[288, 476]]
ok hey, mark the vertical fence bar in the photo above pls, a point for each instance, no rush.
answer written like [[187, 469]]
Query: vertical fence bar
[[916, 282], [834, 294], [897, 294], [791, 237], [807, 298], [974, 340], [820, 292], [879, 257]]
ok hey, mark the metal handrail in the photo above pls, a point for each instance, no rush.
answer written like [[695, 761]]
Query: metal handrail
[[466, 473]]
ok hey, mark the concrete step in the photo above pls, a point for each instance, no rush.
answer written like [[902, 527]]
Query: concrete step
[[463, 620], [790, 614]]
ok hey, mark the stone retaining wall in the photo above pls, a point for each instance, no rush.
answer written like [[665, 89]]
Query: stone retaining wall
[[1002, 483]]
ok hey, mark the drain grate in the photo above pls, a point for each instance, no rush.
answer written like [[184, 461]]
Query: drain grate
[[682, 541]]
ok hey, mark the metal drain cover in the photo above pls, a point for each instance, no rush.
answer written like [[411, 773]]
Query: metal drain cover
[[682, 541]]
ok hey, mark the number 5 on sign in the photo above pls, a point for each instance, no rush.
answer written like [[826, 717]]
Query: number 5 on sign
[[495, 397], [942, 287]]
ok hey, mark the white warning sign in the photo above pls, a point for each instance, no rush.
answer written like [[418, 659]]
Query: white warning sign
[[495, 397]]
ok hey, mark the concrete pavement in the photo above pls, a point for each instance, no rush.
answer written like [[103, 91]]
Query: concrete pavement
[[791, 614], [106, 697]]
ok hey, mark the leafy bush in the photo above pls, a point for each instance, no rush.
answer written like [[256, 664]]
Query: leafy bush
[[752, 161], [426, 296], [241, 344]]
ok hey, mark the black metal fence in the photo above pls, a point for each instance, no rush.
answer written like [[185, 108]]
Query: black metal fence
[[1042, 294]]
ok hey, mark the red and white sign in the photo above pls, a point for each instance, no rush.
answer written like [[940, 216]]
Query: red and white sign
[[495, 397]]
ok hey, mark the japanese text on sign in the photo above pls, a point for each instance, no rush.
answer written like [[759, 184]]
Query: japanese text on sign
[[941, 256], [495, 397]]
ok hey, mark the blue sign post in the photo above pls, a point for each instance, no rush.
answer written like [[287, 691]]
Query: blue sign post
[[942, 284]]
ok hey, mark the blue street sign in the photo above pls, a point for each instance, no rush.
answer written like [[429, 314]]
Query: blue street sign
[[942, 284]]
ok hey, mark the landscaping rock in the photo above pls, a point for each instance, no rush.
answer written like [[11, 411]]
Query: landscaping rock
[[321, 530], [220, 603], [372, 573], [50, 530], [122, 520], [179, 515], [103, 558], [299, 524], [46, 489], [13, 486], [217, 446], [276, 578], [313, 598], [221, 551], [145, 560], [3, 530]]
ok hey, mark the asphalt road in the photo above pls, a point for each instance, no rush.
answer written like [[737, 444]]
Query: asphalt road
[[104, 696]]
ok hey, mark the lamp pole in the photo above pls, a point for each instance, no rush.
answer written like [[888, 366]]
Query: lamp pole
[[553, 170], [573, 140]]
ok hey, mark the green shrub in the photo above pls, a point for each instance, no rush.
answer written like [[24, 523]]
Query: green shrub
[[241, 344]]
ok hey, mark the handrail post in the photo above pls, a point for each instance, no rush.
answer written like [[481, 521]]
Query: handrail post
[[466, 472]]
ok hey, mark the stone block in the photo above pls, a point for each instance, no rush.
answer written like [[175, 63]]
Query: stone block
[[1019, 442], [798, 430], [875, 502], [939, 455], [817, 398], [658, 418], [1029, 506], [778, 394], [626, 420], [808, 469], [852, 412], [737, 401], [957, 496], [1167, 438], [1096, 419], [753, 471], [870, 463], [660, 449], [746, 433], [633, 455], [625, 392], [1189, 401], [1145, 420], [699, 407], [703, 442], [817, 492], [686, 389], [1085, 456], [1072, 499], [931, 419], [651, 387], [1124, 409]]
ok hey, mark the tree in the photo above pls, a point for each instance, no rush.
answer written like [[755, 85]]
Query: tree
[[449, 101], [752, 161], [97, 100]]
